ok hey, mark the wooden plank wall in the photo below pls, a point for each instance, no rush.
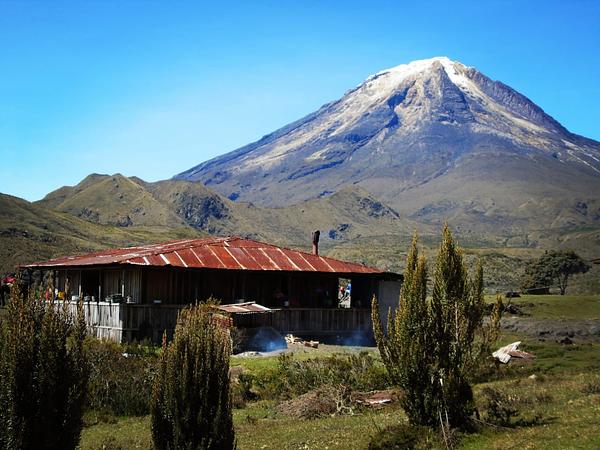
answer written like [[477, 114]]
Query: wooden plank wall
[[180, 286], [104, 320], [126, 322], [309, 320], [122, 322]]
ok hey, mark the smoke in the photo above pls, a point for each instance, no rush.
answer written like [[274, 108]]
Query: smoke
[[358, 338], [263, 339]]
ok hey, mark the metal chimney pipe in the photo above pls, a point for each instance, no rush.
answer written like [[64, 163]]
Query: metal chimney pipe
[[315, 242]]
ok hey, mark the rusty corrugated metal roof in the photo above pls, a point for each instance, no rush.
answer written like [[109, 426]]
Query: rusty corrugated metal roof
[[213, 253], [244, 308]]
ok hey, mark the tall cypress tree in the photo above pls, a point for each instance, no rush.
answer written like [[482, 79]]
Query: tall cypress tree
[[457, 308], [406, 347], [191, 406], [432, 344], [44, 372]]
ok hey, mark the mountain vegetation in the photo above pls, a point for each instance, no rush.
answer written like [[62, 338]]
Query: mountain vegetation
[[130, 202]]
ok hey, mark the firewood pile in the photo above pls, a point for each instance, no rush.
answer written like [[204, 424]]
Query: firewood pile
[[290, 339]]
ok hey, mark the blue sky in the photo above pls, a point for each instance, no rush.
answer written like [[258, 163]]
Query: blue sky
[[153, 88]]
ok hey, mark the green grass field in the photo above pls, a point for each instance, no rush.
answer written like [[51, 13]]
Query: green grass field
[[561, 407], [560, 306], [567, 417]]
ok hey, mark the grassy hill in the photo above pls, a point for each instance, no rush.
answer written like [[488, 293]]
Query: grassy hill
[[112, 200], [29, 232], [112, 210], [118, 200]]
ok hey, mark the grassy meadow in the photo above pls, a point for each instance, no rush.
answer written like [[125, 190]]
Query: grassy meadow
[[555, 398]]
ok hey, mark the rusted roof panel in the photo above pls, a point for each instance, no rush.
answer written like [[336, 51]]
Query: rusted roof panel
[[232, 253], [225, 257], [208, 258], [300, 262], [243, 258], [187, 257], [279, 259], [263, 262], [154, 260]]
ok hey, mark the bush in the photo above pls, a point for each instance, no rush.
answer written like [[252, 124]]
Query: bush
[[499, 407], [241, 389], [323, 401], [44, 374], [121, 378], [191, 406], [292, 377], [592, 387]]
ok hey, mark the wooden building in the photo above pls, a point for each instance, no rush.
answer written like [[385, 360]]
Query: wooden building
[[136, 292]]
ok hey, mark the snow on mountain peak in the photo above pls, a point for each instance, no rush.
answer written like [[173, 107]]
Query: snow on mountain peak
[[385, 82], [399, 73]]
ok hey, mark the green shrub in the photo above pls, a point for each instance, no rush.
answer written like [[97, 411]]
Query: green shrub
[[499, 407], [121, 378], [242, 390], [191, 407], [44, 372], [292, 377]]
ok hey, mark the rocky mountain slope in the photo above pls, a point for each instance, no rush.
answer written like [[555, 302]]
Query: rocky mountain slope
[[434, 139]]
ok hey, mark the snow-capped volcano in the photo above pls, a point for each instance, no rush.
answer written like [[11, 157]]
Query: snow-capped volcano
[[432, 135]]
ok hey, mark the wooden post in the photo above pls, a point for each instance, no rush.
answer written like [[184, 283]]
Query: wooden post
[[54, 281], [123, 283]]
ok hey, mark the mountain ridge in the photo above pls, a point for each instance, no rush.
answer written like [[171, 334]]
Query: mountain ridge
[[108, 200], [435, 140]]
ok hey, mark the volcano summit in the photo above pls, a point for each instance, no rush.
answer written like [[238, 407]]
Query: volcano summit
[[436, 140]]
